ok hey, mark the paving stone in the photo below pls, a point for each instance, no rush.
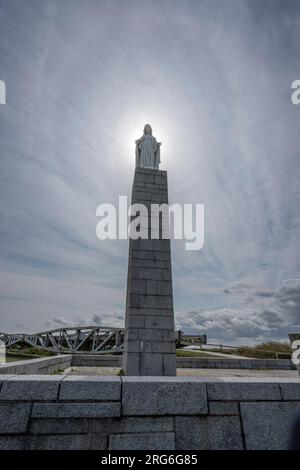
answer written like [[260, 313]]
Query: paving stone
[[241, 391], [14, 417], [136, 424], [149, 441], [13, 442], [208, 433], [32, 387], [90, 388], [67, 442], [223, 408], [163, 397], [290, 391], [58, 426], [267, 425], [75, 410]]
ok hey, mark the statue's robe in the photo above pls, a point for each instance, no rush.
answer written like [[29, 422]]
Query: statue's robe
[[147, 152]]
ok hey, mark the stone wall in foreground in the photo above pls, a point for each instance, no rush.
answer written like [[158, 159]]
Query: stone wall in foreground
[[50, 365], [42, 365], [149, 413], [109, 360]]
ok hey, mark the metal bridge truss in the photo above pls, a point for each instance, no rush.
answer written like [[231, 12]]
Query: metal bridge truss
[[88, 339], [92, 339]]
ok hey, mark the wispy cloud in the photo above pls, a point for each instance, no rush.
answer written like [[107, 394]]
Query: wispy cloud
[[82, 78]]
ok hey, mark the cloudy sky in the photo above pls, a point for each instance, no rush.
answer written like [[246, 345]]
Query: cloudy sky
[[213, 77]]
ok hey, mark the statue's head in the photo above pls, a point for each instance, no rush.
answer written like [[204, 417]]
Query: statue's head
[[148, 129]]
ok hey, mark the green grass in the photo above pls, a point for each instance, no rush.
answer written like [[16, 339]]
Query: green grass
[[276, 346], [267, 350], [17, 357], [187, 353], [262, 350], [30, 352], [58, 372]]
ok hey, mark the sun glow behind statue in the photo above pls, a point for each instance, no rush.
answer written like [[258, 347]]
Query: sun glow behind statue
[[131, 128]]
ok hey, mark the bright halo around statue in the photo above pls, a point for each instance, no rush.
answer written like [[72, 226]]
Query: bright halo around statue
[[131, 128]]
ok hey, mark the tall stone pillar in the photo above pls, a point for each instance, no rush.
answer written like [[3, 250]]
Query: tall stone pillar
[[149, 324]]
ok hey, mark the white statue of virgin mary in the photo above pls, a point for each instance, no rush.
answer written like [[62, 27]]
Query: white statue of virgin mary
[[147, 150]]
